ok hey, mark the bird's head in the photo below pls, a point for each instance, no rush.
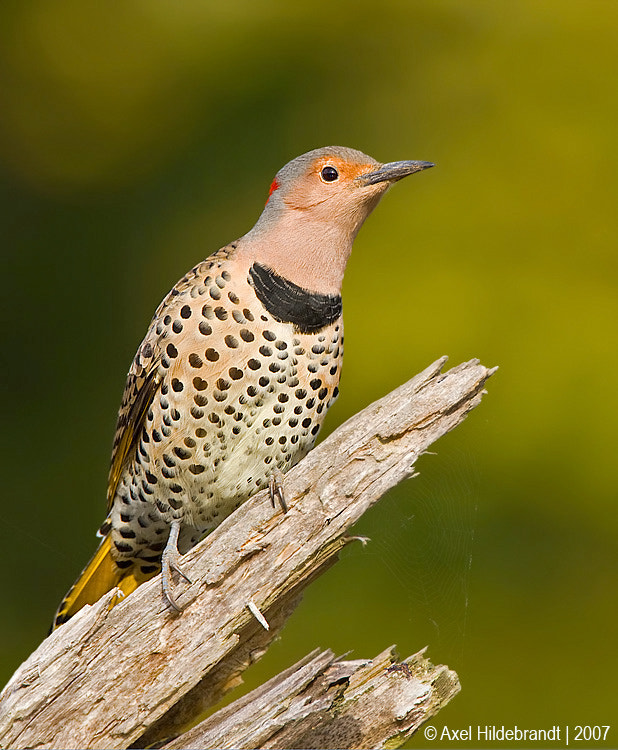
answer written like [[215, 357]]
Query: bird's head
[[335, 185], [316, 205]]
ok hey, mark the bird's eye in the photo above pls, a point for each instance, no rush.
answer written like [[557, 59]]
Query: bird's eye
[[329, 174]]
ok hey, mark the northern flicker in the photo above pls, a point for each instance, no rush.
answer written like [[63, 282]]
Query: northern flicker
[[238, 368]]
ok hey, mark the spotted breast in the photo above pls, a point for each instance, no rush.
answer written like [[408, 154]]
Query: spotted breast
[[240, 388]]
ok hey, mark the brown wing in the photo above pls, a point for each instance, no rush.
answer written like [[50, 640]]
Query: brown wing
[[144, 378], [139, 393]]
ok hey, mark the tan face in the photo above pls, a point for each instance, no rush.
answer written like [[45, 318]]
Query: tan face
[[333, 180]]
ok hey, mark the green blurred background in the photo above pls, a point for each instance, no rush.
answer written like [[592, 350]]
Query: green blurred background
[[136, 137]]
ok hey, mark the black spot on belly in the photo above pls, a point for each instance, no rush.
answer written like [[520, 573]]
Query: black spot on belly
[[123, 548]]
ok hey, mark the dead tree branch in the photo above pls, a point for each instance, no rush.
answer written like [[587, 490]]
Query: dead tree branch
[[323, 702], [138, 673]]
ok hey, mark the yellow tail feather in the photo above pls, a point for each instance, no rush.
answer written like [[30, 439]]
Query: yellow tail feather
[[98, 577]]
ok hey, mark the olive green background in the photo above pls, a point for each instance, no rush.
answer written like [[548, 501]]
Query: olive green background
[[136, 137]]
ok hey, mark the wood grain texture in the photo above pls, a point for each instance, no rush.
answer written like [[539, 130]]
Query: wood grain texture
[[136, 674], [323, 702]]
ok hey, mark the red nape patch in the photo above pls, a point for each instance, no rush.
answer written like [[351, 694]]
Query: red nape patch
[[274, 185]]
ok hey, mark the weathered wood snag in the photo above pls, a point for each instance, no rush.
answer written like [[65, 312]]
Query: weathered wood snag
[[138, 674], [322, 702]]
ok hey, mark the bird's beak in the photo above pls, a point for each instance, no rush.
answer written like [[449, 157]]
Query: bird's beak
[[393, 171]]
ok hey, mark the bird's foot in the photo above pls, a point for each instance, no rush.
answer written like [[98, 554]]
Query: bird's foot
[[170, 563], [275, 490]]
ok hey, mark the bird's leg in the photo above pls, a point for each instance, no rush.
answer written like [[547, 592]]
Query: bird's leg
[[275, 489], [169, 563]]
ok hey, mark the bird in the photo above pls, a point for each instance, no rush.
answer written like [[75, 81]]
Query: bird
[[230, 386]]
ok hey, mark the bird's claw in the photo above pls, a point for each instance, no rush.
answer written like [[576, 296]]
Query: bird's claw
[[169, 564], [177, 569], [275, 490]]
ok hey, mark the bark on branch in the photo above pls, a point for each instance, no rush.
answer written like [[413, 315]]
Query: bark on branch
[[137, 674]]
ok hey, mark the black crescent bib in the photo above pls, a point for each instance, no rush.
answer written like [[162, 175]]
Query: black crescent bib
[[287, 302]]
